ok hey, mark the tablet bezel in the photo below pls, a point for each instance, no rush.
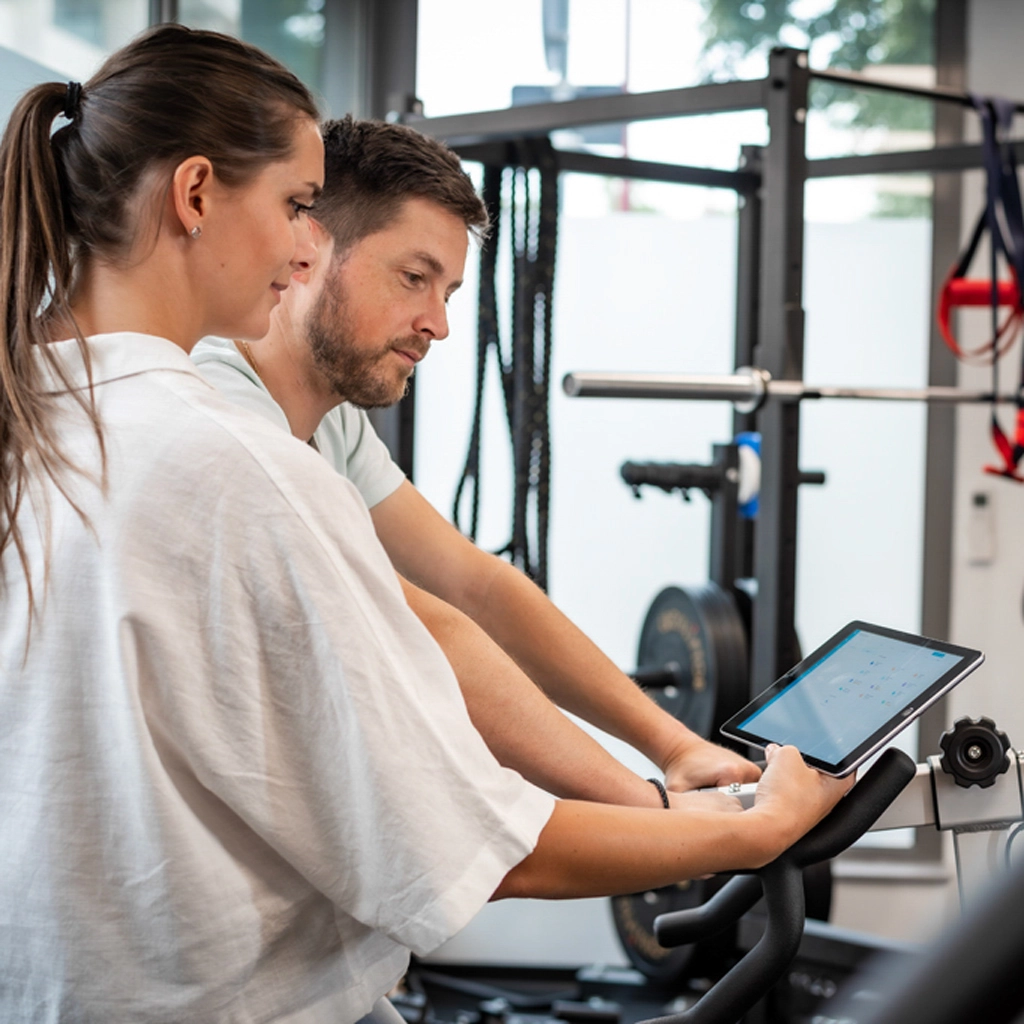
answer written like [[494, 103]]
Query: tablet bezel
[[899, 721]]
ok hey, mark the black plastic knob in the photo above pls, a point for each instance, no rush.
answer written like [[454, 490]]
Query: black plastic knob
[[974, 752]]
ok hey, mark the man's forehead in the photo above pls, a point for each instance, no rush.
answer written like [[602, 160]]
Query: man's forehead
[[426, 233]]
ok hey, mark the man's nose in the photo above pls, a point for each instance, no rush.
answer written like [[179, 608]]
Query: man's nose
[[433, 320], [305, 255]]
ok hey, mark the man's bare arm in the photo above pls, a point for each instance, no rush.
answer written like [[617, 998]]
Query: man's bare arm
[[594, 849], [552, 651], [522, 728]]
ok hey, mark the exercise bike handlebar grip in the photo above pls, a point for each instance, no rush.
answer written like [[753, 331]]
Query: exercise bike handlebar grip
[[854, 815], [849, 820], [782, 881], [729, 904]]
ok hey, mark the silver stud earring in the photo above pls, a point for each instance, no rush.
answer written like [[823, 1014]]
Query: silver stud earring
[[196, 231]]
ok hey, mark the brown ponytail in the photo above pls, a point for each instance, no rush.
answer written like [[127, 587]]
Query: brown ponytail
[[35, 275], [66, 198]]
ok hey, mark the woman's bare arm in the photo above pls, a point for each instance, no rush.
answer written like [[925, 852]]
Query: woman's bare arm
[[595, 850]]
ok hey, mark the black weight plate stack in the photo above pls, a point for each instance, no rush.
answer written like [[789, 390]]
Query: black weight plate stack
[[700, 629]]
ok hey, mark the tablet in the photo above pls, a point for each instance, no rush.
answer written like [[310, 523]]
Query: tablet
[[849, 698]]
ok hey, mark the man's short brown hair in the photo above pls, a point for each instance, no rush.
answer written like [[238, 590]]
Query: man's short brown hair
[[372, 167]]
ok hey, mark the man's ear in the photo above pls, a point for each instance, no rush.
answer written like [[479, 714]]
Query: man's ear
[[191, 187]]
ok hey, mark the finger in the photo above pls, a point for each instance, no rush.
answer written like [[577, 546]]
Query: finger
[[848, 783], [738, 770]]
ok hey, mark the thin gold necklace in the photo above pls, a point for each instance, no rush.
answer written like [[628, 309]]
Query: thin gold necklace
[[243, 347]]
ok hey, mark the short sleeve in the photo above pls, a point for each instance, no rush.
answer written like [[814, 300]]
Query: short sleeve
[[347, 440], [222, 365]]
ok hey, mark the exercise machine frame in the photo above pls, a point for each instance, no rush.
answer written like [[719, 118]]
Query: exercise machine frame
[[769, 312], [769, 322]]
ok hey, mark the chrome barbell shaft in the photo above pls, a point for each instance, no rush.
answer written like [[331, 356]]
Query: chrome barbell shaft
[[749, 387]]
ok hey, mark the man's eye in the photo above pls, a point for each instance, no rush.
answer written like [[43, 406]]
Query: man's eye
[[413, 278], [300, 208]]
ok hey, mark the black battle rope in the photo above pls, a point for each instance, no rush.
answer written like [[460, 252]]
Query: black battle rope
[[487, 337], [531, 213]]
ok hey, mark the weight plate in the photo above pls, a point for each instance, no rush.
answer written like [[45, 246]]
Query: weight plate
[[699, 629]]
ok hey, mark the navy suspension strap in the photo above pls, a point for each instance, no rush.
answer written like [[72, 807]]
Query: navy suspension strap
[[1004, 220]]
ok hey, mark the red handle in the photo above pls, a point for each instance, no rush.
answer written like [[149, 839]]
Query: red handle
[[965, 291]]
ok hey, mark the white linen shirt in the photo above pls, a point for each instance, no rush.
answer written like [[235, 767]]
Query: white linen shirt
[[345, 436], [237, 778]]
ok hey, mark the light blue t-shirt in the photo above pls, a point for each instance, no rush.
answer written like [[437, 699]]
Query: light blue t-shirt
[[345, 437]]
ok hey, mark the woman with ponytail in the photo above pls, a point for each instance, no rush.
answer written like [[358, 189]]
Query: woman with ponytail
[[238, 782]]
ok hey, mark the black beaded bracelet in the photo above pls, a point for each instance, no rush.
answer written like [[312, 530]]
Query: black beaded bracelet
[[662, 792]]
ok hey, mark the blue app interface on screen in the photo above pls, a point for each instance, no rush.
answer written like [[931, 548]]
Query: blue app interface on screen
[[842, 700]]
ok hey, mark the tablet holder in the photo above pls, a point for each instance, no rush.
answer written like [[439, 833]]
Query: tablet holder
[[781, 885]]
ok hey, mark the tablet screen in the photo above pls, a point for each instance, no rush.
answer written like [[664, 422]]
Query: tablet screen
[[846, 697], [852, 695]]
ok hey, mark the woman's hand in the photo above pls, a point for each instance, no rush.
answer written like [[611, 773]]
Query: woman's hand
[[792, 797]]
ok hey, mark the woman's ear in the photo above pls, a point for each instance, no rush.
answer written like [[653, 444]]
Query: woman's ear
[[191, 189]]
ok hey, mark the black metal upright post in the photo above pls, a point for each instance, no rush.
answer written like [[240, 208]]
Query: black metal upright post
[[162, 11], [950, 70], [724, 548], [748, 271], [748, 283], [780, 350], [370, 71], [937, 560]]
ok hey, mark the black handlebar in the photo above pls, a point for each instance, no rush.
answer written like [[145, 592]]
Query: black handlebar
[[729, 904], [682, 476], [782, 885], [854, 815], [661, 676], [671, 476]]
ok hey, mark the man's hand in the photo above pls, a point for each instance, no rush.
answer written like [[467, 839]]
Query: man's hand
[[700, 765]]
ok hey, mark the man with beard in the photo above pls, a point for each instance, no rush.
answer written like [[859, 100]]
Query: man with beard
[[392, 227]]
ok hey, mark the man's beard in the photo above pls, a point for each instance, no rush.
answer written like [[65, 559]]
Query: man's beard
[[366, 379]]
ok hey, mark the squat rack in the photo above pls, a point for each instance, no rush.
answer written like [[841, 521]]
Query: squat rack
[[770, 183]]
